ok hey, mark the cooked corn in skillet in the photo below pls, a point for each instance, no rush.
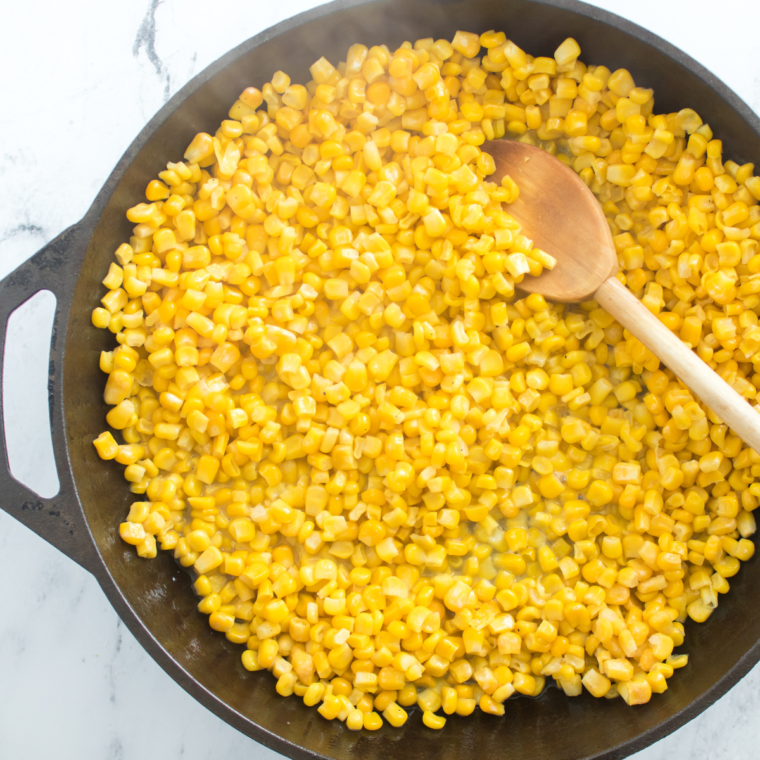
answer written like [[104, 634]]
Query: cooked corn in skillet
[[398, 481]]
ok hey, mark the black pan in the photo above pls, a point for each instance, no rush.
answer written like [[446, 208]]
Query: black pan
[[155, 599]]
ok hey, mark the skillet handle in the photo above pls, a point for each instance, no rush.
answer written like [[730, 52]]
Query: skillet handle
[[58, 520]]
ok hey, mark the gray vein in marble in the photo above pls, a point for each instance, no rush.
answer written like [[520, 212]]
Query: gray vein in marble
[[116, 750], [112, 670], [25, 228], [146, 38]]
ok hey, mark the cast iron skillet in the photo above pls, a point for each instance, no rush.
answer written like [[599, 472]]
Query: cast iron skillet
[[154, 598]]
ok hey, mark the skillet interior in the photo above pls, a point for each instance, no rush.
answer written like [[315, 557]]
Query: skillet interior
[[155, 599]]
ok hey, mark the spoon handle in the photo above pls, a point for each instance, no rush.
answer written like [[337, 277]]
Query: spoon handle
[[724, 401]]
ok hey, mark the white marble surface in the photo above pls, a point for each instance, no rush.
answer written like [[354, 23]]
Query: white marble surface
[[80, 78]]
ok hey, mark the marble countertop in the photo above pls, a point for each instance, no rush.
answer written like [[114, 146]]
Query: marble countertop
[[80, 80]]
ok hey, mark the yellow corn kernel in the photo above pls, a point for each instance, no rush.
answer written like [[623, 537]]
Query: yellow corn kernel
[[567, 52], [395, 715], [596, 683], [372, 721], [106, 446], [132, 533], [431, 720]]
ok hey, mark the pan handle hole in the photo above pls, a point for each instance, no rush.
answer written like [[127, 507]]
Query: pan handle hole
[[26, 396]]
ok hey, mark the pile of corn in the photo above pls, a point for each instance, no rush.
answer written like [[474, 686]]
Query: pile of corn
[[398, 481]]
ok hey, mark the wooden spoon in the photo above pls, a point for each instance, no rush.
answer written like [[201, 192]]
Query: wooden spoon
[[562, 217]]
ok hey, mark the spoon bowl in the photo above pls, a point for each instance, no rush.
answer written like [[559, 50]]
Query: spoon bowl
[[562, 217]]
